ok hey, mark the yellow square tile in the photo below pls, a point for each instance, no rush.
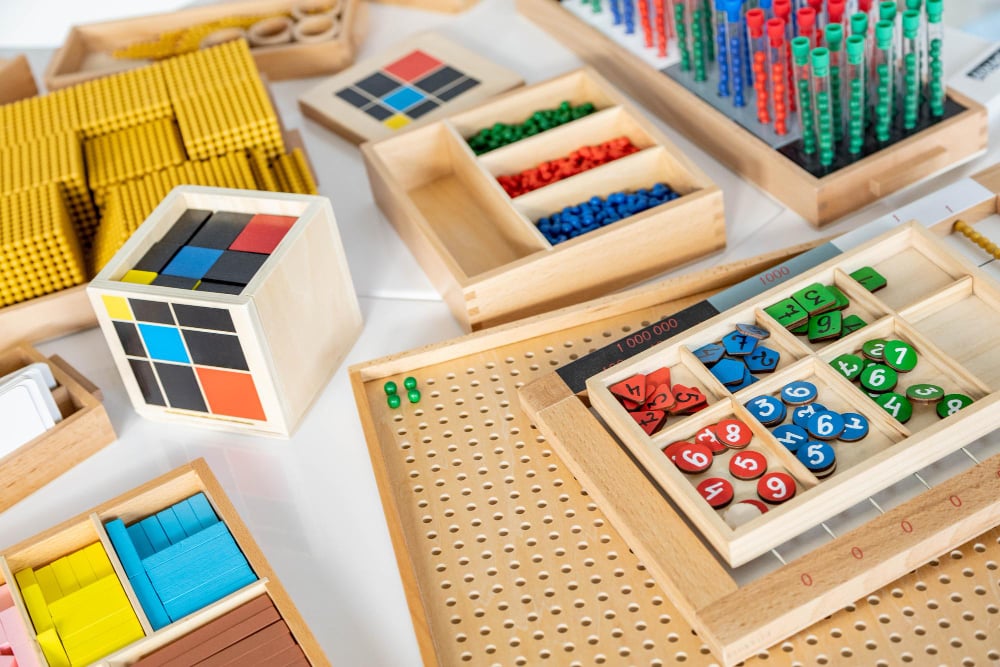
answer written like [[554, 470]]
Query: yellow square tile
[[117, 307], [396, 122], [139, 277]]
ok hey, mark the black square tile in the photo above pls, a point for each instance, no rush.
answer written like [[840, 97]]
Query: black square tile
[[219, 287], [130, 339], [422, 108], [378, 112], [151, 311], [353, 97], [377, 85], [164, 280], [185, 227], [456, 90], [157, 257], [215, 349], [439, 79], [200, 317], [236, 267], [181, 387], [220, 230], [146, 379]]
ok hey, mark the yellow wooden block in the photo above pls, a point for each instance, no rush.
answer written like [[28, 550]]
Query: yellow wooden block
[[86, 607], [63, 572], [47, 581], [99, 560], [82, 569], [104, 641], [55, 655], [139, 277], [117, 307], [31, 593]]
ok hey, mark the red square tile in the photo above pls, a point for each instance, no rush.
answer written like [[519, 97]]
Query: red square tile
[[231, 394], [263, 233], [412, 66]]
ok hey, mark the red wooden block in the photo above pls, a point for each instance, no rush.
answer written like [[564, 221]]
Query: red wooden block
[[717, 491], [673, 449], [706, 436], [688, 399], [747, 465], [733, 433], [660, 398], [693, 458], [631, 406], [631, 389], [263, 233], [657, 377], [649, 420]]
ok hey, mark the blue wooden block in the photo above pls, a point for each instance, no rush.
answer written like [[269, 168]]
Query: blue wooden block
[[192, 262], [139, 539], [132, 563], [186, 516], [187, 544], [729, 371], [171, 526], [226, 584], [203, 510], [122, 542], [738, 343], [747, 380], [154, 531]]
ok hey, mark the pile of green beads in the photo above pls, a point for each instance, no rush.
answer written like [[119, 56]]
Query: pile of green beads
[[502, 134], [392, 392]]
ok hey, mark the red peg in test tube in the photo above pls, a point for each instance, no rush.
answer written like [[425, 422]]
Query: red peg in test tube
[[783, 10], [835, 11], [758, 62], [806, 18], [777, 64]]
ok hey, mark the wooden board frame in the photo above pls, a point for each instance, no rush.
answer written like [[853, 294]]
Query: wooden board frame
[[448, 6], [819, 200], [322, 105], [474, 248], [293, 338], [84, 430], [143, 501], [95, 41], [808, 589]]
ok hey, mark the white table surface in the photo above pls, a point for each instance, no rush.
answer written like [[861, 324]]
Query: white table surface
[[311, 502]]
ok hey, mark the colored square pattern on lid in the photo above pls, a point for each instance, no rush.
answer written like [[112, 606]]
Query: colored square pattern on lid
[[411, 66]]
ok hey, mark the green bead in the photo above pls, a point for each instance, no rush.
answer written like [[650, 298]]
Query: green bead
[[410, 382], [413, 395], [390, 388], [393, 401]]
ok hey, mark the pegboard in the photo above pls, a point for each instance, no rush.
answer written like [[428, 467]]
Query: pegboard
[[506, 559]]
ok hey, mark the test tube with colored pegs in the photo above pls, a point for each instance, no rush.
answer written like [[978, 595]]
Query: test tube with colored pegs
[[777, 64], [856, 101], [758, 63], [835, 11], [721, 50], [660, 21], [734, 37], [935, 65], [707, 17], [911, 68], [628, 16], [765, 5], [884, 75], [646, 21], [681, 26], [822, 103], [800, 62], [806, 22], [834, 34], [616, 11], [783, 11], [595, 6], [817, 7], [699, 41]]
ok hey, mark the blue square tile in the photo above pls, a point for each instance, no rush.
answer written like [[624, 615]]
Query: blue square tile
[[164, 343], [192, 262], [404, 98]]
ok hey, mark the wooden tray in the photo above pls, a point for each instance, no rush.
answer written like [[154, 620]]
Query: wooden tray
[[819, 200], [86, 53], [84, 430], [450, 6], [817, 581], [88, 527], [481, 248]]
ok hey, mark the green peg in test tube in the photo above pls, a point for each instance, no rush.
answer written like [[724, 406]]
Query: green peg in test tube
[[698, 40], [911, 68], [822, 103], [884, 76], [680, 25], [834, 34], [935, 65], [887, 10], [800, 64], [856, 101], [913, 4], [859, 24]]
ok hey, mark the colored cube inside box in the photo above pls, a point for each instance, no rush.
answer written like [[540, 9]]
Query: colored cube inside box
[[242, 309], [180, 560]]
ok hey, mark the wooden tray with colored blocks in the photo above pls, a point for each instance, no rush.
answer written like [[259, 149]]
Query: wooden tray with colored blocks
[[164, 574], [819, 199], [522, 190], [897, 498], [89, 50]]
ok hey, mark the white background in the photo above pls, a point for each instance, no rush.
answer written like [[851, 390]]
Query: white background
[[311, 502]]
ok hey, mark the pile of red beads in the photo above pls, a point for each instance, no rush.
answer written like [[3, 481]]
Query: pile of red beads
[[598, 212], [576, 162]]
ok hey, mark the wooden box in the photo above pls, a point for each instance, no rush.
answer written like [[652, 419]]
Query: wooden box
[[450, 6], [812, 575], [820, 200], [271, 344], [439, 77], [86, 53], [88, 528], [482, 249], [84, 430], [16, 80]]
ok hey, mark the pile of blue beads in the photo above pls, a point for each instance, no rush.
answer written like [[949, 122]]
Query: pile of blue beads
[[598, 212]]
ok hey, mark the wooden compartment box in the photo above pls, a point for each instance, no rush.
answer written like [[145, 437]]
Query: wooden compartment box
[[16, 80], [86, 53], [197, 636], [482, 248], [819, 199], [252, 353], [83, 431]]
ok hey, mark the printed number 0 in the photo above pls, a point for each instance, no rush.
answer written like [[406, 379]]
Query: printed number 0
[[857, 553]]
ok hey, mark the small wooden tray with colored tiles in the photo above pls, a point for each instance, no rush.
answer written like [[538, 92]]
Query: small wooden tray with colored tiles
[[164, 574], [561, 188]]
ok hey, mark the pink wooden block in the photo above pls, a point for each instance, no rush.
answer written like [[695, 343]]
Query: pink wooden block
[[19, 639]]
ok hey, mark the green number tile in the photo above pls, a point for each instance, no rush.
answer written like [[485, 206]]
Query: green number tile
[[848, 365], [869, 278], [815, 299], [788, 313], [874, 349], [851, 324], [897, 405], [899, 356], [952, 403], [800, 330], [826, 326], [879, 378], [924, 393], [842, 300]]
